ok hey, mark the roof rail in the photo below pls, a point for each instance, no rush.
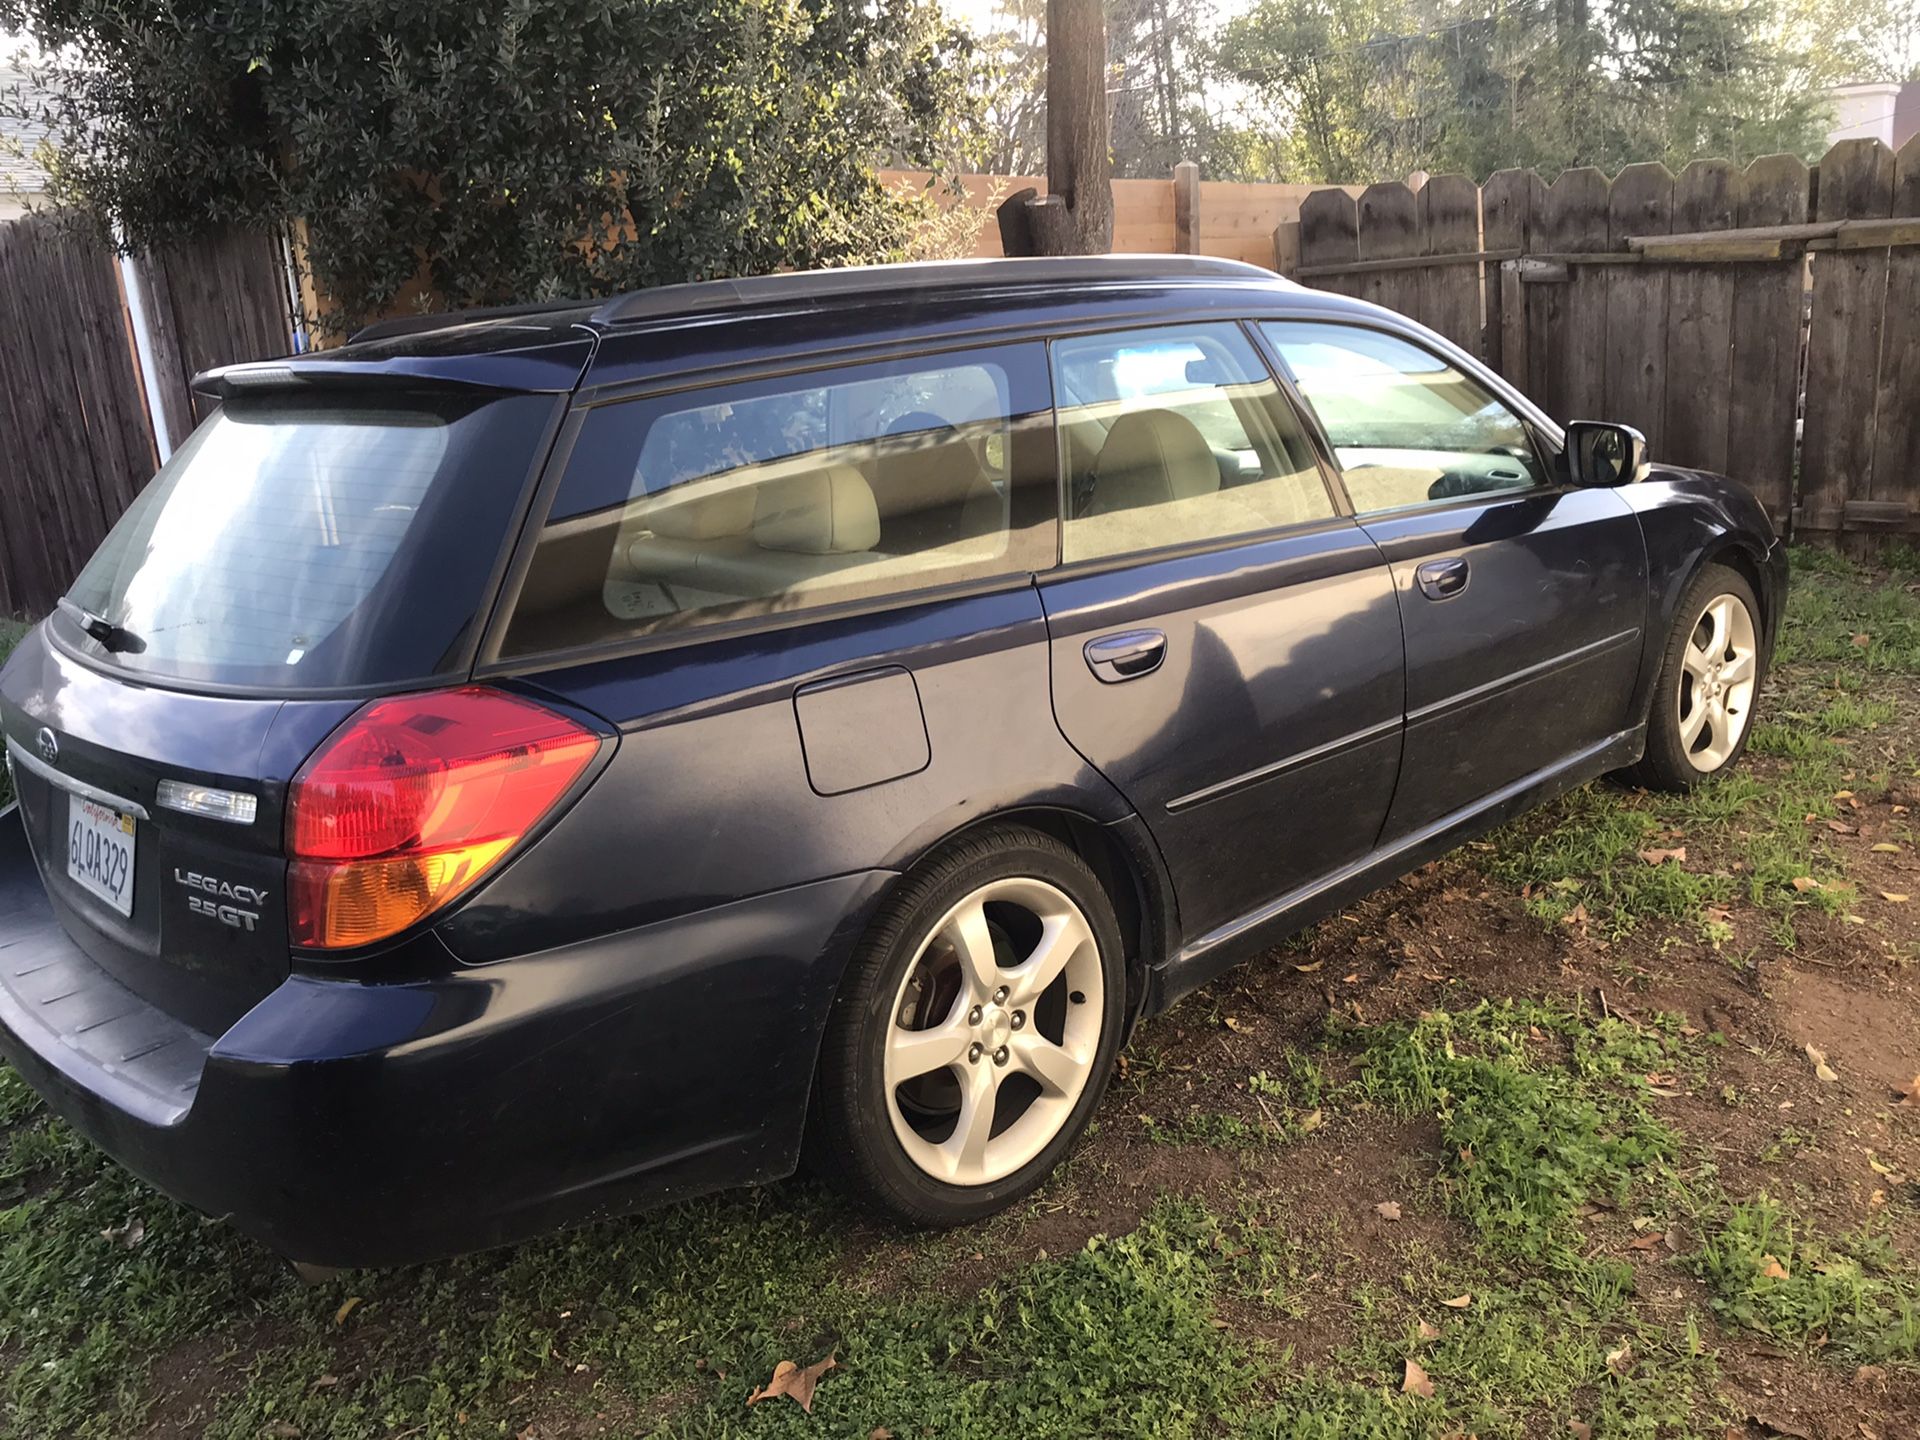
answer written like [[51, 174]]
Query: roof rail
[[868, 281], [442, 319]]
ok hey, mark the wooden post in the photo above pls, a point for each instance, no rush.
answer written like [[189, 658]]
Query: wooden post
[[1076, 216], [1186, 208], [1286, 247]]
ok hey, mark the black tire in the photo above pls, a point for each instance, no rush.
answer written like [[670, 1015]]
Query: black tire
[[851, 1141], [1668, 763]]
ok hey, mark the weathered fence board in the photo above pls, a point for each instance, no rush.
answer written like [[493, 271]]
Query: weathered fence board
[[1680, 305], [76, 442], [73, 441], [1639, 202], [1507, 204], [1450, 225], [1896, 444], [219, 301], [1769, 304], [1700, 322], [1843, 349]]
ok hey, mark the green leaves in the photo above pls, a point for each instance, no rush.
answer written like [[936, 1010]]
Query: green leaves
[[519, 149]]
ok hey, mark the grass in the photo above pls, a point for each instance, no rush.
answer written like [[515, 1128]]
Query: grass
[[1757, 831], [1542, 1149]]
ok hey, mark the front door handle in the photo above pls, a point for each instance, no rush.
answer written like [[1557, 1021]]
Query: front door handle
[[1442, 579], [1126, 656]]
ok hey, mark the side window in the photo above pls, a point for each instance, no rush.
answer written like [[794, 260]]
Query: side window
[[1176, 434], [1406, 427], [778, 495]]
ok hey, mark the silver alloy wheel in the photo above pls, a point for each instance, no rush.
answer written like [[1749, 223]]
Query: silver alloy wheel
[[1718, 670], [993, 1032]]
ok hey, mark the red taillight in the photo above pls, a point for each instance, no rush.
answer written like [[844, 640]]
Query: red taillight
[[412, 801]]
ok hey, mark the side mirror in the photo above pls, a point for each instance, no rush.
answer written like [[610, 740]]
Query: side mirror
[[1601, 455]]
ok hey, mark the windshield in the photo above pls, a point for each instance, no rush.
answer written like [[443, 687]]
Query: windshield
[[312, 543]]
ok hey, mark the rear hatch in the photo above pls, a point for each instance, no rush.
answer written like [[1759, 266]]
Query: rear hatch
[[307, 548]]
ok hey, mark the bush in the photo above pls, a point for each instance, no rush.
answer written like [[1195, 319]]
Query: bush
[[506, 150]]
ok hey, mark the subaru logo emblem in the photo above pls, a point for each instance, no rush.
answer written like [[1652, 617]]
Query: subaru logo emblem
[[48, 747]]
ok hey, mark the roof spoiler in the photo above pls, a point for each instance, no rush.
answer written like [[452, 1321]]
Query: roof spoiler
[[546, 370]]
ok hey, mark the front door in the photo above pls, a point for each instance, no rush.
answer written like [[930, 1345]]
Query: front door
[[1226, 646], [1523, 600]]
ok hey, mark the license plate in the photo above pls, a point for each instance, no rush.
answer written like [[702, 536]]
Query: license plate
[[100, 852]]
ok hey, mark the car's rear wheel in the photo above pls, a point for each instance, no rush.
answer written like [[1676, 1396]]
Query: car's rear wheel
[[1702, 712], [973, 1036]]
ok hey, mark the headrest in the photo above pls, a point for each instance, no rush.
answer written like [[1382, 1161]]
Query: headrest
[[941, 469], [1151, 457], [701, 517], [817, 512]]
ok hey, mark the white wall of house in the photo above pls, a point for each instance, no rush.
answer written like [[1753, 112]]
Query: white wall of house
[[1867, 112]]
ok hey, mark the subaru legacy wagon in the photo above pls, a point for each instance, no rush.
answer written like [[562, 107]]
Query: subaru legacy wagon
[[524, 765]]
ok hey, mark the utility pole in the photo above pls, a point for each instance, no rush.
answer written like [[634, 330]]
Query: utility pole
[[1075, 217]]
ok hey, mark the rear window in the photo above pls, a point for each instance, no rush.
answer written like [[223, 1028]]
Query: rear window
[[314, 543]]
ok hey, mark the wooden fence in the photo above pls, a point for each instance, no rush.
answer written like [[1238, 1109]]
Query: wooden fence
[[1180, 215], [1700, 308], [76, 440]]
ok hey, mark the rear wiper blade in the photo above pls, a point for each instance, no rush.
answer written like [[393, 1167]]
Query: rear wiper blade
[[110, 636]]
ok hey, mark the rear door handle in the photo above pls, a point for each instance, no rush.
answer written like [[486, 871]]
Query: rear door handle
[[1126, 656], [1442, 579]]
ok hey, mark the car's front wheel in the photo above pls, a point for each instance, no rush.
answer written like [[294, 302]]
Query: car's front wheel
[[1702, 711], [973, 1035]]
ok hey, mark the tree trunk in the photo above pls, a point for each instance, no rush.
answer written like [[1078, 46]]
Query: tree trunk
[[1076, 216]]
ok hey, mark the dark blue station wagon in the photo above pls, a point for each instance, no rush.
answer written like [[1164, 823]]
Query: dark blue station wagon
[[525, 765]]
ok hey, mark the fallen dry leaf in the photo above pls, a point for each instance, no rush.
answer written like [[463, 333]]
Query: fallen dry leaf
[[127, 1236], [1910, 1096], [1458, 1302], [796, 1382], [1660, 857], [1429, 1332], [1309, 969], [1840, 827], [1651, 1241], [1772, 1269], [1885, 847], [1579, 1430], [1894, 897], [880, 1432], [1233, 1023], [1804, 883], [1388, 1210], [1621, 1360], [347, 1307], [1415, 1381], [1821, 1070], [1863, 640], [1311, 1121]]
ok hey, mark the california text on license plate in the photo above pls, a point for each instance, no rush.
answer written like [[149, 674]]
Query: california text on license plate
[[100, 851]]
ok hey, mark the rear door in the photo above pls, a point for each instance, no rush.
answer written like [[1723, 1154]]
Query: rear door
[[297, 554], [1226, 647], [1523, 598]]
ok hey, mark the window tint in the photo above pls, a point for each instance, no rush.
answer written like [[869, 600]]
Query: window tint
[[1173, 435], [308, 542], [779, 495], [1406, 427]]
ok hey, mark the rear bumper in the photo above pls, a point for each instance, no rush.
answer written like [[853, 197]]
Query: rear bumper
[[347, 1123]]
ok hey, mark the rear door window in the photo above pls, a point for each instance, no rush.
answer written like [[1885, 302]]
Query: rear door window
[[770, 496], [302, 542], [1174, 435]]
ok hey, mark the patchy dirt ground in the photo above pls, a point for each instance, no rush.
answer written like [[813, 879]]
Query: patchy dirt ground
[[1599, 1127]]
